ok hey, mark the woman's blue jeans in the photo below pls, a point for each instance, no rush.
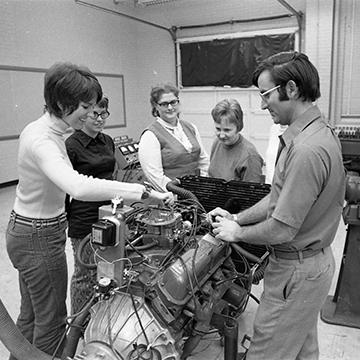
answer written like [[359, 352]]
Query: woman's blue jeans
[[37, 251]]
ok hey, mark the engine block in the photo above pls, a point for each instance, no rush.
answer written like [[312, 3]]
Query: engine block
[[165, 284]]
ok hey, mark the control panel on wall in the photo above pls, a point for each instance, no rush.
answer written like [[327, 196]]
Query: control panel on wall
[[126, 152], [351, 132], [349, 136]]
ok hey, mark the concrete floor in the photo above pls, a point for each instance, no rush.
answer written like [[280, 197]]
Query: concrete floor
[[336, 342]]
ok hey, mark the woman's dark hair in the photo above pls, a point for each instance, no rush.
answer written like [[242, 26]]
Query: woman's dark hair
[[230, 110], [66, 85], [291, 65], [157, 92]]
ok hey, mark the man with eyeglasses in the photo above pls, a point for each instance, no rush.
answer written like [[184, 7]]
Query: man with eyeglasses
[[91, 153], [298, 220]]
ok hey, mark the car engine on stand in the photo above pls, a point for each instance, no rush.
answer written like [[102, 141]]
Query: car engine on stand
[[163, 282]]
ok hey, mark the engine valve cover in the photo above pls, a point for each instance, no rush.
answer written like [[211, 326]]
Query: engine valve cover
[[177, 281]]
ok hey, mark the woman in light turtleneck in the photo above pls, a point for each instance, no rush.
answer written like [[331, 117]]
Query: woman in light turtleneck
[[35, 236], [232, 156]]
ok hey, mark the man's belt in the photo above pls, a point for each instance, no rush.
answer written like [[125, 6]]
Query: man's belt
[[295, 254]]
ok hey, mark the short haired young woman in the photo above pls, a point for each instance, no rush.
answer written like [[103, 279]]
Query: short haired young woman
[[232, 156], [36, 230]]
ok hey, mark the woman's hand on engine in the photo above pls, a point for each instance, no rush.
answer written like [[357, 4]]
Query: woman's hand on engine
[[226, 229], [167, 197], [217, 214]]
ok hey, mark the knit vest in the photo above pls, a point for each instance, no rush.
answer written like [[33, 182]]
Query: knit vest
[[176, 160]]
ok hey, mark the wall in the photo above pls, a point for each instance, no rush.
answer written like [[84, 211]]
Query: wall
[[318, 45], [37, 33], [197, 103]]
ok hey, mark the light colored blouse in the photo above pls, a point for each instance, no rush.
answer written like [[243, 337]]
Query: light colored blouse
[[46, 174], [150, 153]]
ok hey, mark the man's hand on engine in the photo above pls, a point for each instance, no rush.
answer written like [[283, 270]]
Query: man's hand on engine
[[225, 229], [216, 214]]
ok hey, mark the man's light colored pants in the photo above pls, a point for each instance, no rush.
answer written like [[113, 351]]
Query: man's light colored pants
[[285, 326]]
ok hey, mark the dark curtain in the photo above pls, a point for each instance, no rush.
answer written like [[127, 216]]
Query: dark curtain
[[228, 62]]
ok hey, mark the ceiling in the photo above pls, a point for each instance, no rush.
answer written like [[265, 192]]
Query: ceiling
[[170, 13]]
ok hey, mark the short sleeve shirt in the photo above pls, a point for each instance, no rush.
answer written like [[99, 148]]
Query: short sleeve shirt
[[308, 187]]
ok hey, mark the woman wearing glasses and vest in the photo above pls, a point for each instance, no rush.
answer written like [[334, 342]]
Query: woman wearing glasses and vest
[[170, 148], [91, 153]]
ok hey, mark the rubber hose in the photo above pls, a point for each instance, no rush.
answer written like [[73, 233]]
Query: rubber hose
[[245, 253], [15, 342], [259, 273], [75, 332], [174, 187], [79, 251]]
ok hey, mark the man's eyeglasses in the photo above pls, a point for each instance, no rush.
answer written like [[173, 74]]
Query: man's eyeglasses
[[266, 94], [166, 104], [95, 115]]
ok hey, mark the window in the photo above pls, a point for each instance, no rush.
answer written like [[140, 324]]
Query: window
[[228, 62]]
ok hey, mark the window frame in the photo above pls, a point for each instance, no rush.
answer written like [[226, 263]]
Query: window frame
[[237, 35], [344, 37]]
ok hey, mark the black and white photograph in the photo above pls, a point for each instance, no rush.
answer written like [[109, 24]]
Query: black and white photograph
[[179, 179]]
